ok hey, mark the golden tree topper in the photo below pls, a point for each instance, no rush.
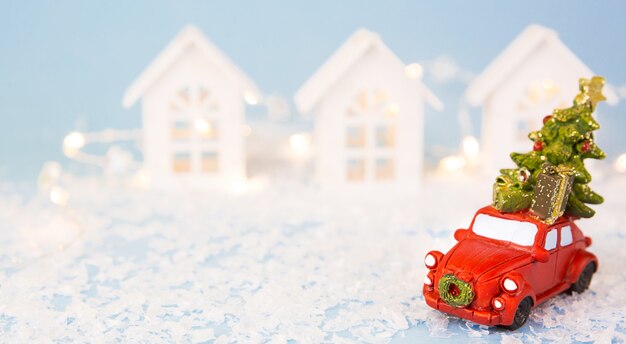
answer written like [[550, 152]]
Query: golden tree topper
[[590, 91]]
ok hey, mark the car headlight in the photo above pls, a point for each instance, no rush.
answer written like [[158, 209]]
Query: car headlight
[[432, 259], [498, 303], [509, 285], [512, 283]]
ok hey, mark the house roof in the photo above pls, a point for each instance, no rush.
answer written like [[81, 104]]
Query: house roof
[[189, 36], [341, 61], [518, 51]]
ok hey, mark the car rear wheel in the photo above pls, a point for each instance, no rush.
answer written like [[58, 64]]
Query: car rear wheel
[[584, 279], [521, 315]]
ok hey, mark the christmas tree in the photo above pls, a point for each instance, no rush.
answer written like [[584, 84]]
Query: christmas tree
[[564, 141]]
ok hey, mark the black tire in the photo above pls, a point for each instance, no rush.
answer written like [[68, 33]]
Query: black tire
[[584, 279], [521, 315]]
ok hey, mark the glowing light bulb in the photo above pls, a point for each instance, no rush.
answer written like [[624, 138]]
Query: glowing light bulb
[[142, 179], [203, 126], [471, 148], [548, 84], [550, 88], [300, 144], [414, 71], [240, 187], [250, 98], [74, 140], [392, 109], [59, 196], [72, 143], [452, 163], [620, 163]]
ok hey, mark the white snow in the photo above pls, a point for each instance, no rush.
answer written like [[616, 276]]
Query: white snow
[[289, 262]]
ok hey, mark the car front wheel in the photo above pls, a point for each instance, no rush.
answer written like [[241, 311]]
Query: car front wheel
[[521, 315], [584, 279]]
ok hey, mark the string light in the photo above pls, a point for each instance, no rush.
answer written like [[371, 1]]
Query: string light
[[203, 126], [72, 143], [240, 187], [452, 163], [249, 185], [548, 84], [550, 88], [414, 71], [471, 148], [142, 179], [59, 196], [250, 98], [392, 109], [116, 160], [300, 144], [74, 140], [49, 176], [620, 163]]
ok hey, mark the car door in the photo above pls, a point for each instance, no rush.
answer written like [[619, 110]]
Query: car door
[[566, 254], [545, 271]]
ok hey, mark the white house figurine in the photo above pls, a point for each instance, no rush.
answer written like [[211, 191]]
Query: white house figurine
[[193, 106], [368, 114], [535, 74]]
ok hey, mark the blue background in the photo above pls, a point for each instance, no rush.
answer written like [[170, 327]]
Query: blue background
[[64, 65]]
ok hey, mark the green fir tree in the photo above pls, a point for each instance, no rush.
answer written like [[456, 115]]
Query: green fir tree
[[565, 140]]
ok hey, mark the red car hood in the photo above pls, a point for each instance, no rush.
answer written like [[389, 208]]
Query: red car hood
[[471, 258]]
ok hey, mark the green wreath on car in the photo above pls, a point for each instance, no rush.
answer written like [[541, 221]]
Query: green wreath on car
[[455, 292]]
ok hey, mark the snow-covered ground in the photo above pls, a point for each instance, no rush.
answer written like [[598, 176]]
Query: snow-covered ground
[[286, 262]]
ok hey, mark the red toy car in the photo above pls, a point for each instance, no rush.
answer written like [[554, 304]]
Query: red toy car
[[505, 264]]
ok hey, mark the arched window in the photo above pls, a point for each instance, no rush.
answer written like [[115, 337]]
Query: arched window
[[370, 136], [194, 130]]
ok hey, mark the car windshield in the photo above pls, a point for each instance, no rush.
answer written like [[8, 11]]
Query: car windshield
[[517, 232]]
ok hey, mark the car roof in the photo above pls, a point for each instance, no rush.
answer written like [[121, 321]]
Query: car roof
[[523, 215]]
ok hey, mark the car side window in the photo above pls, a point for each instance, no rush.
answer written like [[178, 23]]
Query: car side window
[[566, 235], [551, 240]]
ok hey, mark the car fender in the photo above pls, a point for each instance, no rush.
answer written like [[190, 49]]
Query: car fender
[[581, 259], [513, 301]]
